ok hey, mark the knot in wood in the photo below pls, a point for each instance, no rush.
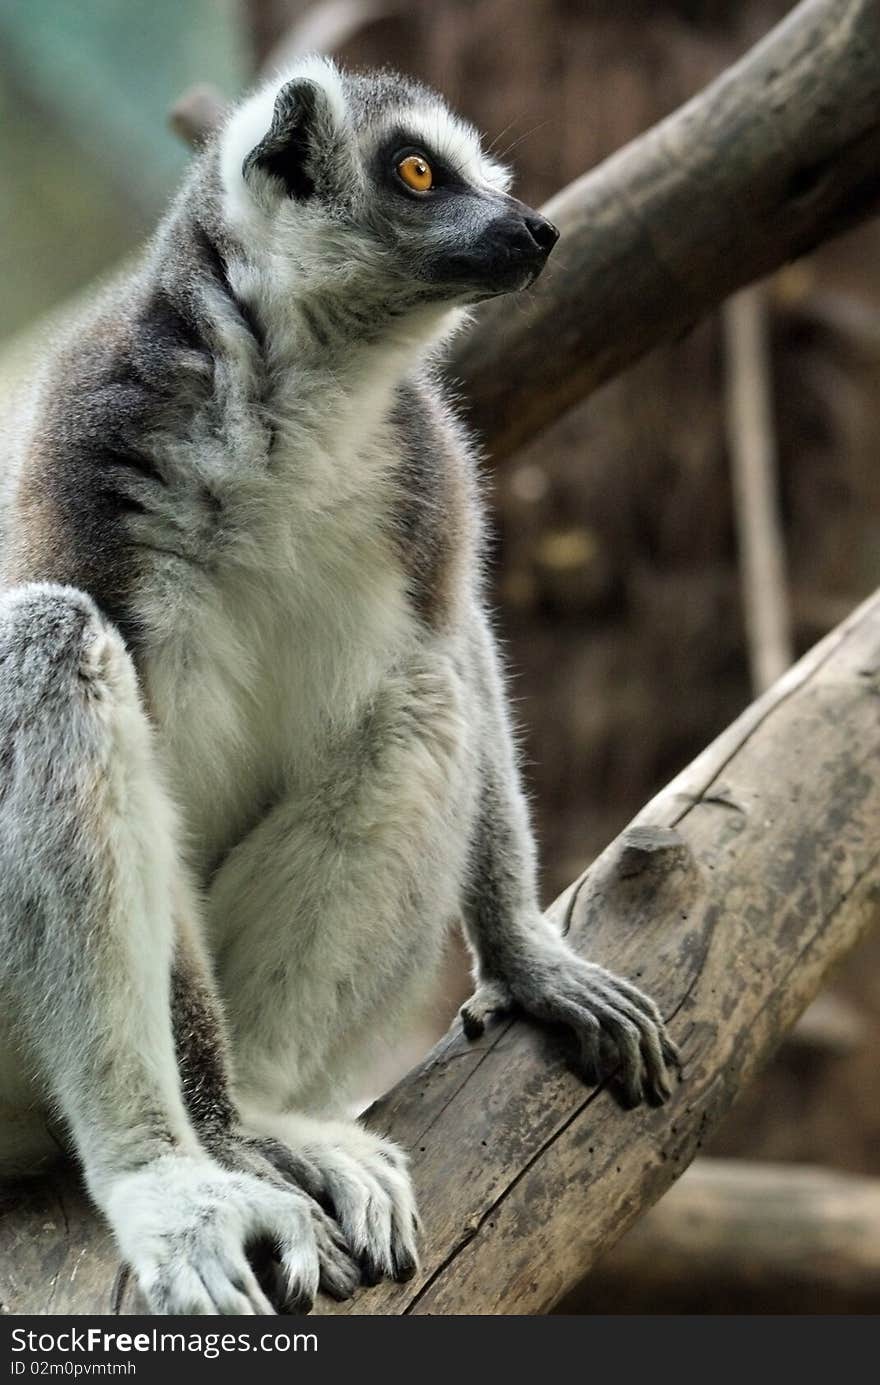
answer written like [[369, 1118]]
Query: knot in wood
[[655, 849]]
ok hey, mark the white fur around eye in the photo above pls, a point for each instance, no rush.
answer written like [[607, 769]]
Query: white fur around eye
[[495, 175], [456, 142]]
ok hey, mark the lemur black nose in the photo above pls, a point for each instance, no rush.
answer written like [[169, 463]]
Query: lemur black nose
[[542, 232]]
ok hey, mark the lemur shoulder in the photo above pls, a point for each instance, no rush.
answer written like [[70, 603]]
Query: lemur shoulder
[[256, 752]]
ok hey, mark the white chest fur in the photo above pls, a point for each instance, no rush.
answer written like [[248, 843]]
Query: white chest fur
[[275, 653]]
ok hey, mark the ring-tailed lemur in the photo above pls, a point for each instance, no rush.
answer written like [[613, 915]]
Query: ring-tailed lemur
[[255, 750]]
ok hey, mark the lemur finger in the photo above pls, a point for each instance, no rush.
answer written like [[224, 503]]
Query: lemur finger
[[600, 1053], [650, 1010], [404, 1225], [391, 1220], [658, 1085], [298, 1275], [178, 1291], [285, 1290], [363, 1210], [619, 995], [286, 1220], [340, 1274], [405, 1261], [614, 985], [378, 1260], [349, 1192], [638, 1007], [339, 1279], [561, 1009], [658, 1088], [649, 1040], [377, 1257], [671, 1051], [626, 1038], [233, 1289]]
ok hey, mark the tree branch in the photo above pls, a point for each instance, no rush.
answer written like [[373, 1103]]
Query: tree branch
[[780, 153], [746, 1238], [730, 897]]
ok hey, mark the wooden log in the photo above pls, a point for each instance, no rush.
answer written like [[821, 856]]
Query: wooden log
[[730, 897], [832, 1027], [778, 154], [737, 1237]]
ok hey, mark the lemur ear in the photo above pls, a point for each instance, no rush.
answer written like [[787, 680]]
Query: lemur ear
[[302, 122]]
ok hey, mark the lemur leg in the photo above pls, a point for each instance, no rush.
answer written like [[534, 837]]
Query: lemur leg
[[329, 922], [203, 1061], [88, 889], [522, 961]]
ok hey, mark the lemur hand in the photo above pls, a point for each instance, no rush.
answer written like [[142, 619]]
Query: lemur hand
[[187, 1227], [619, 1030]]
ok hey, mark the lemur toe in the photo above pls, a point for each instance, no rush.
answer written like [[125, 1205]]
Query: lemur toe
[[294, 1167], [404, 1266], [377, 1221], [340, 1272]]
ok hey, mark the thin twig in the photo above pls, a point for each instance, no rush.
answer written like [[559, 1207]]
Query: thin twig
[[196, 113], [752, 447]]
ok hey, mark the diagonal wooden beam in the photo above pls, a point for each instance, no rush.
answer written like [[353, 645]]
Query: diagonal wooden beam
[[780, 153]]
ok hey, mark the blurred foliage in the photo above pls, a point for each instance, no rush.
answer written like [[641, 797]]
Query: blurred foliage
[[86, 157]]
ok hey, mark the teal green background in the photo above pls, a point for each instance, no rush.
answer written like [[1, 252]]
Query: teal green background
[[86, 156]]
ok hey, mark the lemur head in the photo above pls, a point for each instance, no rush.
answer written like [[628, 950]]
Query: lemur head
[[368, 185]]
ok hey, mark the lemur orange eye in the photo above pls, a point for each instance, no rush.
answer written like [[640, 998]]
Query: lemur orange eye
[[416, 172]]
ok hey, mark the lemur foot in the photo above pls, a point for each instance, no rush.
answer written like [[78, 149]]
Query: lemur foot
[[361, 1178], [187, 1227], [270, 1160], [265, 1158], [617, 1027]]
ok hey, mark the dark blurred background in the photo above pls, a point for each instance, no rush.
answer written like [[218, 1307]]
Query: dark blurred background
[[616, 565]]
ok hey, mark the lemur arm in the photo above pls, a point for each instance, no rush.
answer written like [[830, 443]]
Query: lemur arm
[[522, 962]]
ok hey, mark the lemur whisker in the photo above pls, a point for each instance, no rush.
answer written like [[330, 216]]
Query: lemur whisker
[[527, 134]]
